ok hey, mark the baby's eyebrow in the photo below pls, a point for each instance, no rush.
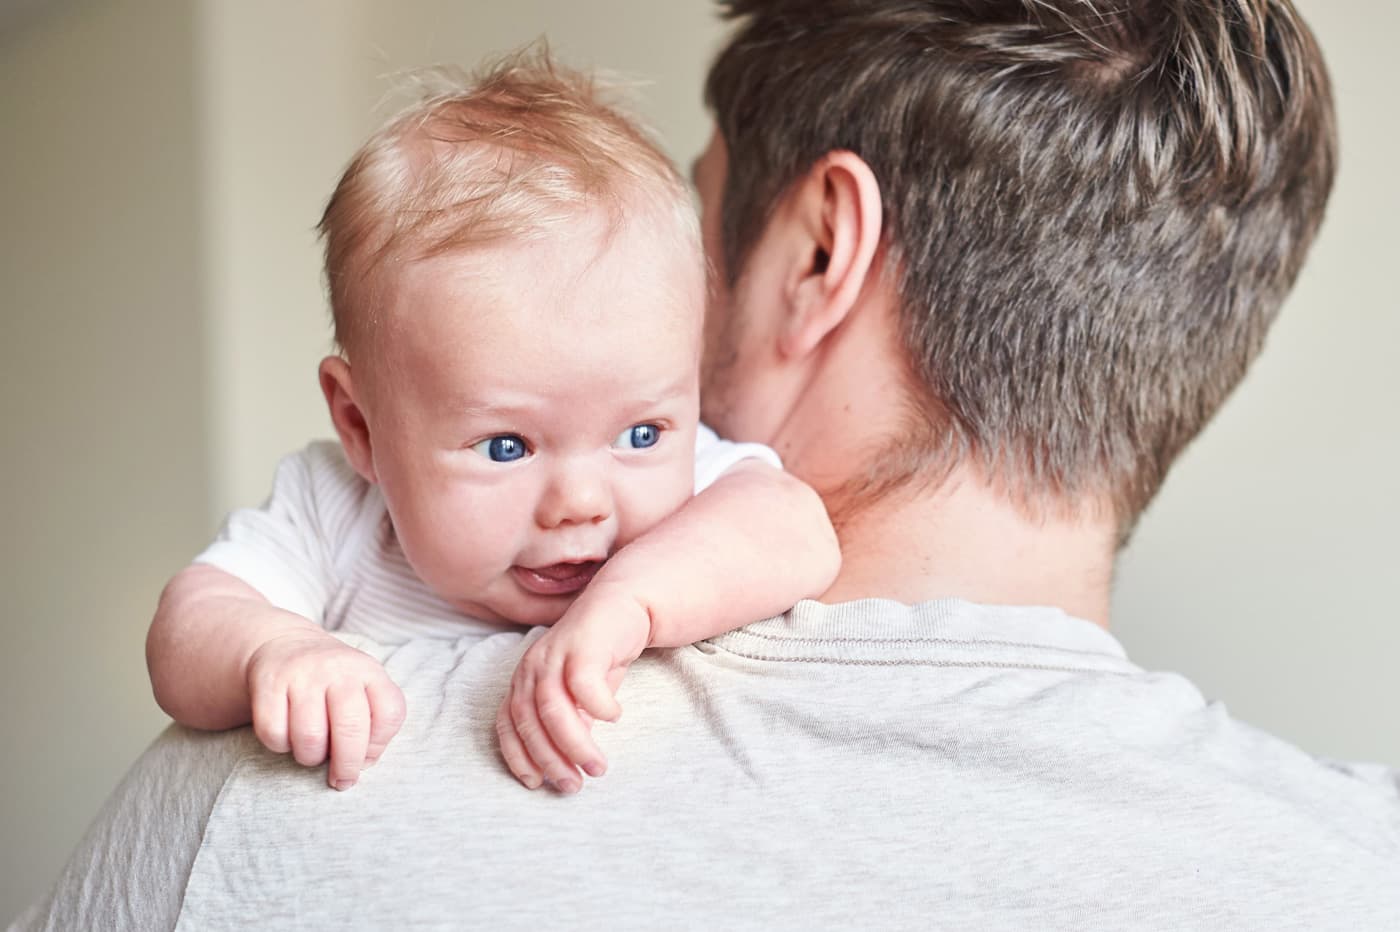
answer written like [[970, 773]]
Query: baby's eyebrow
[[486, 409], [679, 385], [666, 393]]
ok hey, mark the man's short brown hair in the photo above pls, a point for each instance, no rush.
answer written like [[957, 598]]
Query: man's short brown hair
[[1093, 208]]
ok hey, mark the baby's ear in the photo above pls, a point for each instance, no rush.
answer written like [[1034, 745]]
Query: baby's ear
[[349, 420]]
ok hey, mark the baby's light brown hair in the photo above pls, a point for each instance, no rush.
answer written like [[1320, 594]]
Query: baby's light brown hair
[[505, 154]]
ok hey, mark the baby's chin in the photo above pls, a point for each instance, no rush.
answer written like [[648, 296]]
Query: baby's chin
[[543, 618], [527, 612]]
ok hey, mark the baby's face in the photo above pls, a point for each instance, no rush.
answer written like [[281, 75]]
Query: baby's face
[[532, 408]]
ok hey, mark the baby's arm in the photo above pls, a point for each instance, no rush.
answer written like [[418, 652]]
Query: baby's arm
[[749, 546], [220, 656]]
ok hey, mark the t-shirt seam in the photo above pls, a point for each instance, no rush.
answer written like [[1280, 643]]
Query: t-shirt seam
[[204, 835], [919, 662], [932, 640]]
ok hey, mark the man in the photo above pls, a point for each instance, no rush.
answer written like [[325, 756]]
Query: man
[[983, 269]]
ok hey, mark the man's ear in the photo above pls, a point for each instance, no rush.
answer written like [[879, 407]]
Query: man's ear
[[839, 209], [346, 415]]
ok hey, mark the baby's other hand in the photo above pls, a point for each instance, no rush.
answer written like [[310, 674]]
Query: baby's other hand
[[566, 680], [314, 695]]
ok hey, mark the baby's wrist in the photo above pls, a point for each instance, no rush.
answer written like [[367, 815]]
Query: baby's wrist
[[280, 627], [620, 602]]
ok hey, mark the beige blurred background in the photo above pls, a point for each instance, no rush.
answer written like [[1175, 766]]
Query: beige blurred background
[[162, 164]]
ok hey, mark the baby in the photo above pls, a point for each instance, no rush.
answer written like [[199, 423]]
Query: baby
[[518, 290]]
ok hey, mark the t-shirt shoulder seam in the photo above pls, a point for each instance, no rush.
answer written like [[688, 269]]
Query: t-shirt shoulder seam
[[204, 834], [904, 642], [924, 662]]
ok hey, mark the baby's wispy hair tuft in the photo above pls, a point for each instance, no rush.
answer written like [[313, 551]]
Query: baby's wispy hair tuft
[[506, 153]]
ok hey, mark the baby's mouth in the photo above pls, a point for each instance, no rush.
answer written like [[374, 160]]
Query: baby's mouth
[[556, 578]]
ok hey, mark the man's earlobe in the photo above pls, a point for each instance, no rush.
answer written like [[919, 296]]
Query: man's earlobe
[[347, 416], [839, 208]]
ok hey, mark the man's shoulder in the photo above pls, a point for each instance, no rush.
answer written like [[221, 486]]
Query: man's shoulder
[[1254, 771], [911, 763], [131, 868]]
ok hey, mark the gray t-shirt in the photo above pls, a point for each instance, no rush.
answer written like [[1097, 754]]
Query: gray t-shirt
[[868, 764]]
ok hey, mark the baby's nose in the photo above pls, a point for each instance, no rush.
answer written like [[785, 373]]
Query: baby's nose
[[575, 496]]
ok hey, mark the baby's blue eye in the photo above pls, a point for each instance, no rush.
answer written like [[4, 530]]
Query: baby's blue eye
[[506, 448], [639, 437]]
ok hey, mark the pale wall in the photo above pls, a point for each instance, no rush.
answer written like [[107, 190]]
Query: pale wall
[[279, 120], [1266, 570], [1260, 572], [103, 451]]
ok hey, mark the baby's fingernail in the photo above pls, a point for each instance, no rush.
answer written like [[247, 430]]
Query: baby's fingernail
[[595, 769], [343, 784]]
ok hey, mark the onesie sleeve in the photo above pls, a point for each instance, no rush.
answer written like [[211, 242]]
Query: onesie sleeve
[[286, 549], [714, 457]]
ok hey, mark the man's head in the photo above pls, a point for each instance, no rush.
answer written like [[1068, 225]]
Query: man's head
[[1091, 211], [517, 288]]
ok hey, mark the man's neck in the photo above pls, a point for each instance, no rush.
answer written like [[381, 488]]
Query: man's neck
[[966, 540]]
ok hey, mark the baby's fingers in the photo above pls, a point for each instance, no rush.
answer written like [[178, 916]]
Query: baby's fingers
[[386, 715], [513, 750], [347, 708], [560, 718], [593, 694], [270, 719], [539, 744], [308, 729]]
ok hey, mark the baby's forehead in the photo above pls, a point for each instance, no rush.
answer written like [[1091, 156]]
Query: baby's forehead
[[560, 318], [619, 303], [590, 270]]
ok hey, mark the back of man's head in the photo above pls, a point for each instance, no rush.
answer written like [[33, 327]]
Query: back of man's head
[[1093, 208]]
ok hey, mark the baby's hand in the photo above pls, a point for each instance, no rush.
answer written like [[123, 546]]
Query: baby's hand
[[312, 694], [566, 680]]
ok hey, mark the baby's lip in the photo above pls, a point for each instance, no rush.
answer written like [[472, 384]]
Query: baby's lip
[[563, 578]]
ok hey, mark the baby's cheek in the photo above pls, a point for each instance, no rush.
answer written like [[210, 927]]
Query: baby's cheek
[[463, 535], [660, 498]]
